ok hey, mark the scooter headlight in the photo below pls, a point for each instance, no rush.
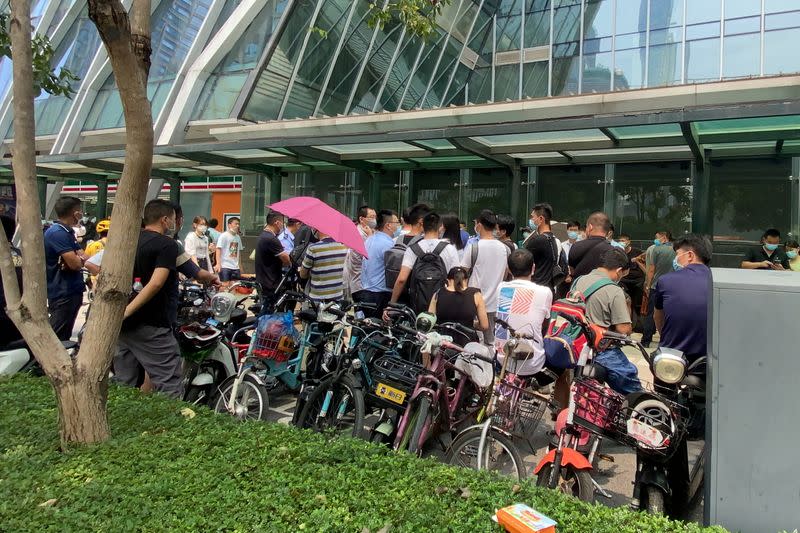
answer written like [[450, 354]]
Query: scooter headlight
[[669, 365], [222, 305]]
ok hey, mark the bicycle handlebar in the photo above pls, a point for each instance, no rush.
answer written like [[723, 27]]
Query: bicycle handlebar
[[512, 332]]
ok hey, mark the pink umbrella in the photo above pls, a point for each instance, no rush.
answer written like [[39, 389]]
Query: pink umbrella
[[324, 218]]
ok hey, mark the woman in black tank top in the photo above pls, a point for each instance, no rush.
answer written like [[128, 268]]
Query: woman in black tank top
[[458, 303]]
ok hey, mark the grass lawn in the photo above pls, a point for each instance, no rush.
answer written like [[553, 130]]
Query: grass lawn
[[165, 471]]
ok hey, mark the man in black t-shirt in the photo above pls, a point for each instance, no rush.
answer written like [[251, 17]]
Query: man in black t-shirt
[[585, 255], [270, 256], [146, 340], [543, 246]]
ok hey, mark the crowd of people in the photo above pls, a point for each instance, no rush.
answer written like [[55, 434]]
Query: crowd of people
[[427, 260]]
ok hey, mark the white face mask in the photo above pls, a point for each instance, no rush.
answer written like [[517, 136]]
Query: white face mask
[[202, 229]]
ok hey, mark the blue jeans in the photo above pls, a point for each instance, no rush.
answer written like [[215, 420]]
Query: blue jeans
[[623, 376], [229, 274]]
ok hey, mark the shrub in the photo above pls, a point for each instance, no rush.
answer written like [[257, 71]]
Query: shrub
[[164, 470]]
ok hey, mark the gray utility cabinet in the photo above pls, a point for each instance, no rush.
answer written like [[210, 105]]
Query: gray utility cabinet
[[753, 469]]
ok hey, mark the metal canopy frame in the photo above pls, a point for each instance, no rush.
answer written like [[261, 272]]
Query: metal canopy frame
[[695, 134]]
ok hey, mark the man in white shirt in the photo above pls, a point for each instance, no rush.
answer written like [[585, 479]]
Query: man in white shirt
[[229, 249], [573, 234], [431, 224], [525, 306], [490, 257]]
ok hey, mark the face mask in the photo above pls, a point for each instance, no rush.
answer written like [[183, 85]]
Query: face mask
[[573, 235], [371, 223], [202, 229], [397, 232], [531, 224], [495, 234], [791, 255], [771, 247], [617, 244], [656, 242]]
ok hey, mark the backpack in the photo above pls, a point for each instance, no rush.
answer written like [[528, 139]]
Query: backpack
[[427, 277], [565, 338], [393, 259]]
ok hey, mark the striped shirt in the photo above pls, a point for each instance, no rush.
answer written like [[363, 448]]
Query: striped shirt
[[324, 261]]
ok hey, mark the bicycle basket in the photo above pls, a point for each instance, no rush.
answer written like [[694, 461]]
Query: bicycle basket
[[596, 406], [517, 410], [651, 423], [394, 379], [275, 337]]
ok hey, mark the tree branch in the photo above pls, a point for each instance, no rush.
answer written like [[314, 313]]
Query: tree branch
[[9, 274]]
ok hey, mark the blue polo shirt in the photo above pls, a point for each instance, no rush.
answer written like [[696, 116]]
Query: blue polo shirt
[[61, 283], [683, 296], [373, 270]]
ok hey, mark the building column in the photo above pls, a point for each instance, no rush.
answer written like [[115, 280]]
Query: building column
[[702, 215], [41, 181], [175, 191], [531, 193], [405, 185], [153, 189], [610, 191], [102, 199], [464, 179], [275, 185], [794, 228], [374, 189], [516, 184]]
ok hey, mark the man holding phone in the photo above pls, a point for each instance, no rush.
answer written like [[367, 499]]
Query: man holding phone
[[769, 256]]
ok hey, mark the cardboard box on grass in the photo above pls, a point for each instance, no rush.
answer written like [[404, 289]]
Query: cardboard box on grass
[[520, 518]]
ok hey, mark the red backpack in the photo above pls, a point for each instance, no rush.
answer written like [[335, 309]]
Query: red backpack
[[566, 335]]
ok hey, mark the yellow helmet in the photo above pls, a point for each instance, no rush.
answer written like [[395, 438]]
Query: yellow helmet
[[103, 225]]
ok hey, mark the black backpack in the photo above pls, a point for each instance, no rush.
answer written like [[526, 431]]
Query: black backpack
[[428, 275], [393, 259]]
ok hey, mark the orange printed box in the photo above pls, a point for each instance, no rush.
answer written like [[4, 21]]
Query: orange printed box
[[519, 518]]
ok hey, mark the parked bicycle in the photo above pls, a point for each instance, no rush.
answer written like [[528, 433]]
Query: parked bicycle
[[511, 415]]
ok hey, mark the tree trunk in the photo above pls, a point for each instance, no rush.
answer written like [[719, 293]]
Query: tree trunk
[[80, 383], [82, 409]]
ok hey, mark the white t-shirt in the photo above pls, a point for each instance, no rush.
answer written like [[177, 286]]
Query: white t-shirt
[[449, 254], [490, 269], [525, 306], [231, 246], [197, 246]]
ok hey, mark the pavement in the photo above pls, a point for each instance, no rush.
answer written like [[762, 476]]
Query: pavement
[[615, 477]]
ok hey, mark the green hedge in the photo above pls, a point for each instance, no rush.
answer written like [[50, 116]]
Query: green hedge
[[165, 471]]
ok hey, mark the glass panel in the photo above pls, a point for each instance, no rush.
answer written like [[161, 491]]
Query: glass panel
[[776, 43], [702, 60], [652, 198], [534, 79], [704, 11], [702, 31], [75, 53], [629, 71], [783, 20], [389, 193], [506, 82], [316, 59], [597, 60], [399, 75], [438, 188], [175, 27], [666, 14], [254, 198], [566, 32], [743, 25], [223, 86], [742, 55], [537, 23], [740, 190], [665, 65], [509, 26], [658, 130], [777, 6], [741, 8], [489, 188], [425, 70], [573, 191], [267, 97], [631, 37]]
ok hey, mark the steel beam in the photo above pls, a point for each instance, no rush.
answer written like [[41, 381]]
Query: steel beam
[[235, 164], [311, 153], [112, 166], [610, 191], [607, 132], [702, 214], [481, 150], [689, 131]]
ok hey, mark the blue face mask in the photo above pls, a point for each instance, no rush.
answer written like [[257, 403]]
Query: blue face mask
[[771, 247], [531, 224], [791, 255], [618, 245], [676, 265], [656, 242], [397, 232], [573, 235]]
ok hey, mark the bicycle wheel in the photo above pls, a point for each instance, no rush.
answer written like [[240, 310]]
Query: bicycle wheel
[[499, 453], [414, 445], [337, 405], [251, 402], [576, 483]]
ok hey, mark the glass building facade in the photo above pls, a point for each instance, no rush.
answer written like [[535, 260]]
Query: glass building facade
[[319, 67]]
